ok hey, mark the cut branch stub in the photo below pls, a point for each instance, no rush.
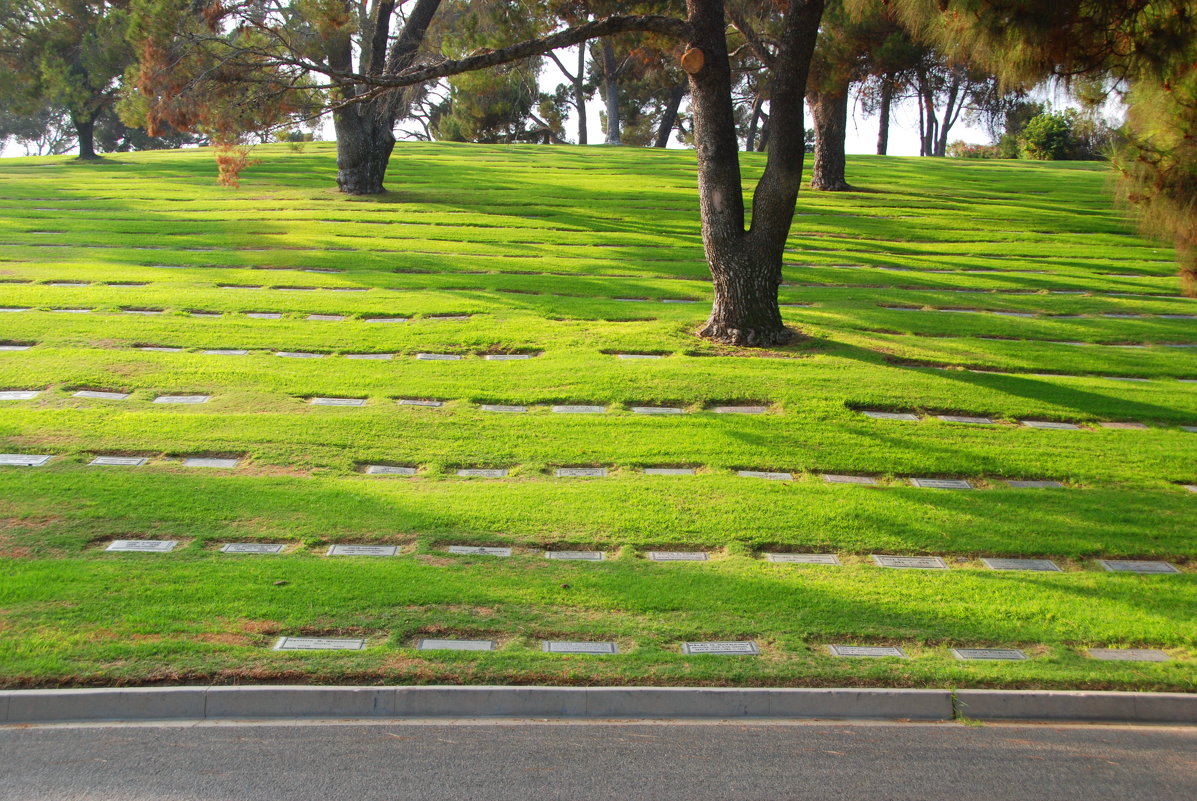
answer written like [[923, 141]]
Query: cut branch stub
[[693, 60]]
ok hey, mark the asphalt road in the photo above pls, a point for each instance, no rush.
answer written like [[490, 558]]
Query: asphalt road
[[493, 761]]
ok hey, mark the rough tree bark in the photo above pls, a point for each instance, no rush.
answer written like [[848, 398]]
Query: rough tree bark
[[884, 106], [611, 92], [365, 130], [830, 110], [746, 264], [85, 129], [669, 118]]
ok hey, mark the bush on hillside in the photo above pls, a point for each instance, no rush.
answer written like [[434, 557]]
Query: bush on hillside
[[1066, 135], [964, 150]]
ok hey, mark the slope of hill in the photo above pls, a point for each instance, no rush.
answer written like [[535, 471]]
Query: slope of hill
[[529, 310]]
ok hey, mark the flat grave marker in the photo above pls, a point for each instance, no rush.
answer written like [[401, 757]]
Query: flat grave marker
[[1042, 565], [677, 556], [579, 409], [638, 356], [765, 475], [142, 546], [18, 395], [740, 409], [564, 647], [1190, 487], [252, 548], [1012, 654], [479, 550], [225, 352], [387, 320], [581, 472], [338, 402], [866, 651], [118, 461], [208, 315], [209, 461], [430, 404], [187, 400], [14, 309], [99, 395], [438, 357], [1190, 429], [1136, 566], [941, 483], [1035, 484], [319, 644], [956, 418], [499, 407], [327, 318], [456, 645], [803, 558], [743, 648], [913, 418], [658, 410], [15, 348], [389, 470], [669, 471], [1048, 424], [373, 357], [482, 472], [1129, 655], [362, 550], [158, 349], [264, 315], [576, 556], [292, 354], [832, 478], [22, 460], [910, 562], [1124, 426], [506, 357]]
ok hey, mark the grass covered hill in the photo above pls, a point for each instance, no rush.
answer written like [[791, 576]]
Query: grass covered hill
[[345, 358]]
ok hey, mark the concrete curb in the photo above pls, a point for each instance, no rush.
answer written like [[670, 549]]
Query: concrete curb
[[1080, 707], [358, 703]]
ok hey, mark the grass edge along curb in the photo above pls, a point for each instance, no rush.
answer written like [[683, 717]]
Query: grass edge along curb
[[274, 702]]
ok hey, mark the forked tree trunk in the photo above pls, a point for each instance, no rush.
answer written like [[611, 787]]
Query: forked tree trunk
[[830, 110], [746, 265], [364, 143], [887, 102], [669, 118], [611, 92], [85, 128]]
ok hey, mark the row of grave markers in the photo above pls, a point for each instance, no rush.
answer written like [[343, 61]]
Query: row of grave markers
[[785, 284], [10, 345], [989, 421], [230, 463], [1043, 315], [880, 560], [719, 648], [32, 394], [253, 315]]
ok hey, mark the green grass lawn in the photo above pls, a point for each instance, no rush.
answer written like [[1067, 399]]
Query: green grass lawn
[[913, 293]]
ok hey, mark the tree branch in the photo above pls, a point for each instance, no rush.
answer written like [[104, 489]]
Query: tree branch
[[755, 44]]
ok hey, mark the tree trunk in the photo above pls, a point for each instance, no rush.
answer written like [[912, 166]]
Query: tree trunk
[[763, 143], [611, 92], [746, 265], [580, 93], [887, 100], [85, 127], [830, 110], [753, 119], [364, 143], [669, 118]]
